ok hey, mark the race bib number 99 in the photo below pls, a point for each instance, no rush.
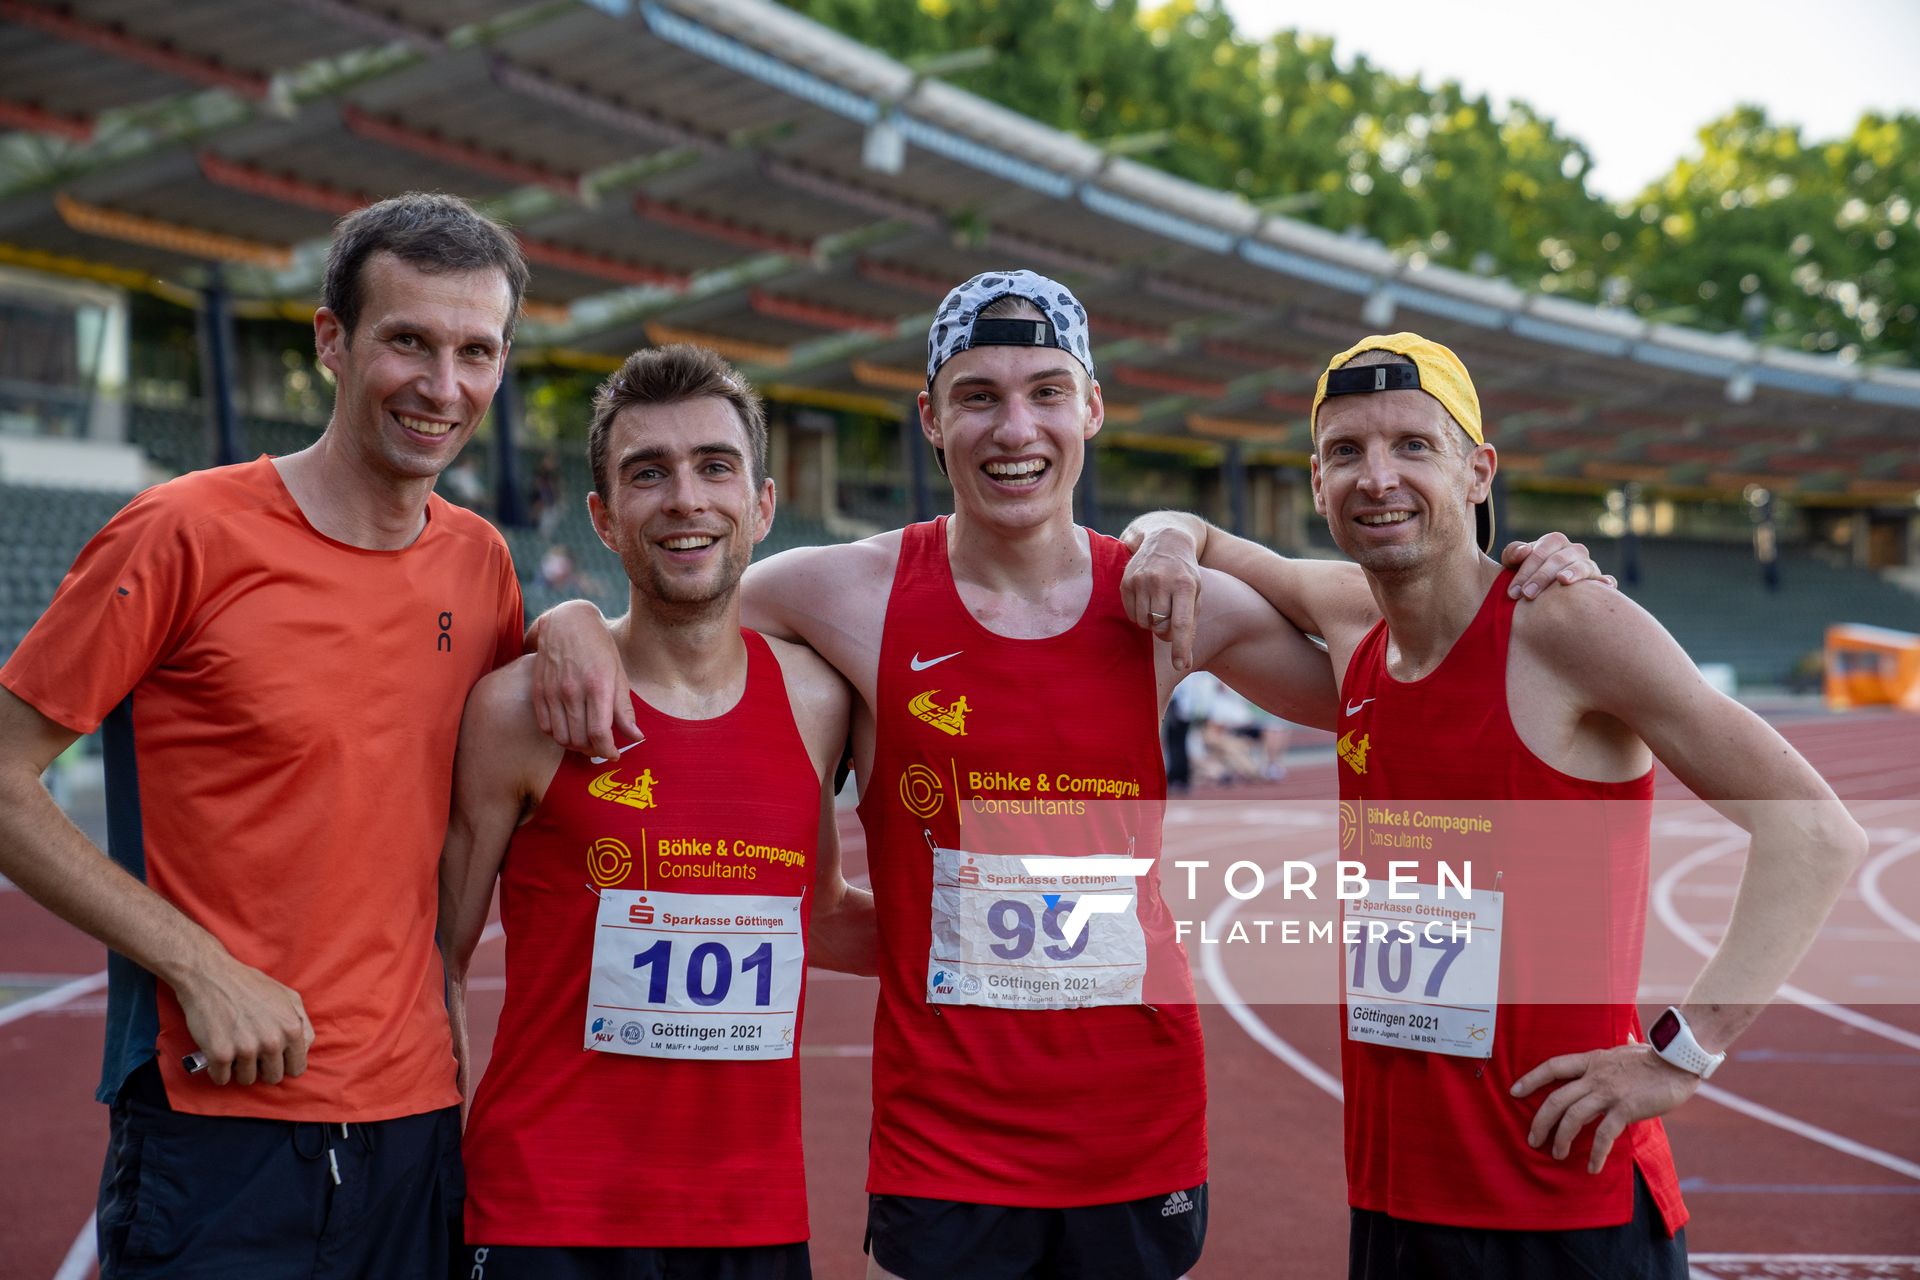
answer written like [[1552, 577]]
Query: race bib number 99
[[1423, 972], [686, 975], [1002, 937]]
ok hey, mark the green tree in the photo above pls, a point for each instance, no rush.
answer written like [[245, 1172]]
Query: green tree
[[1428, 171], [1816, 244], [1824, 235]]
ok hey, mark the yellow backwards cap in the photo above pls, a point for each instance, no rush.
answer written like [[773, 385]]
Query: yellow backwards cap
[[1442, 376]]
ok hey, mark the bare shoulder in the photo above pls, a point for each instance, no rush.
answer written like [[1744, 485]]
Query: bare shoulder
[[1574, 622], [1598, 640], [501, 704], [837, 559], [821, 700], [827, 596], [806, 672]]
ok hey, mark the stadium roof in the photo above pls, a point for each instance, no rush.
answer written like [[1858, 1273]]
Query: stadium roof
[[728, 172]]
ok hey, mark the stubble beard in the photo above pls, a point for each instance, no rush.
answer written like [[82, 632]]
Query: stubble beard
[[679, 600]]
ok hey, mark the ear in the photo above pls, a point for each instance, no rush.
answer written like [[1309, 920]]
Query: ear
[[763, 510], [602, 520], [1484, 461], [1096, 411], [1313, 472], [929, 425], [330, 340]]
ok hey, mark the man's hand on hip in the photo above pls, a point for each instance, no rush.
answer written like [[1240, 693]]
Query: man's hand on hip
[[1614, 1086]]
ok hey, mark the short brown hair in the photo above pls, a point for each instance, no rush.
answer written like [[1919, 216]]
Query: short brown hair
[[426, 230], [671, 375]]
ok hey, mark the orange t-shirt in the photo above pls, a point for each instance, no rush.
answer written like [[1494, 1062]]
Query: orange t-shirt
[[280, 759]]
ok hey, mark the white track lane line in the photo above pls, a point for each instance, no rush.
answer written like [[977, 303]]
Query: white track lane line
[[1877, 900], [1250, 1022], [54, 998], [1670, 917], [81, 1256], [1814, 1133], [1810, 1259], [71, 991]]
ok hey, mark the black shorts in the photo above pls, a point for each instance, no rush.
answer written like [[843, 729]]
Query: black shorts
[[218, 1196], [1153, 1238], [536, 1262], [1384, 1248]]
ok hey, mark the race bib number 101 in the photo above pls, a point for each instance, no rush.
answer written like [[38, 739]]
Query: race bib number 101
[[1423, 972], [686, 975], [1001, 936]]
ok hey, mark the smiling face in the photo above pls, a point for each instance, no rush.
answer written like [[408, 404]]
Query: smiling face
[[417, 373], [1396, 479], [1014, 422], [683, 512]]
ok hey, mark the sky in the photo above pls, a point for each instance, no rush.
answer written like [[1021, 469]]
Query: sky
[[1635, 80]]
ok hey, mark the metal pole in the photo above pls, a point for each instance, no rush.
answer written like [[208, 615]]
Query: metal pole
[[1090, 488], [1236, 488], [216, 367], [919, 494], [506, 471]]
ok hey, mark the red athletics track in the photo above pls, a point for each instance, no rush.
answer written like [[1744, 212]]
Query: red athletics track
[[1803, 1160]]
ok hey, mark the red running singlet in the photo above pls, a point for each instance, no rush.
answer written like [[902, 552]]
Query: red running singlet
[[1011, 1065], [574, 1144], [1438, 1138]]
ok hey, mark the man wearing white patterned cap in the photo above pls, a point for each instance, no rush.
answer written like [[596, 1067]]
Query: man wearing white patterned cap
[[999, 681]]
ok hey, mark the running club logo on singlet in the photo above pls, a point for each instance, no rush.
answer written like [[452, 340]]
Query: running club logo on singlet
[[637, 794], [921, 791], [609, 862], [950, 719], [1354, 753]]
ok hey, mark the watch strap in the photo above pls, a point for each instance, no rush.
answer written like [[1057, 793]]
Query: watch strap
[[1687, 1053]]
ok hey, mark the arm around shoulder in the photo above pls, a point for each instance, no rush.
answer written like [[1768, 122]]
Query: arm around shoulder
[[808, 593], [502, 764], [1247, 643]]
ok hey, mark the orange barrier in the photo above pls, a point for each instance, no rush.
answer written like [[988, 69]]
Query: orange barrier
[[1872, 667]]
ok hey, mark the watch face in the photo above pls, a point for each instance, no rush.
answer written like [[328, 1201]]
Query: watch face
[[1665, 1030]]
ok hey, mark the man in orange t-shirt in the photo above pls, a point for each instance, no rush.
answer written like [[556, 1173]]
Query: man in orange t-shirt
[[279, 651]]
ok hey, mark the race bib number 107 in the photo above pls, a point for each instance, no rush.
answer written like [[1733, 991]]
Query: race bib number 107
[[1423, 972], [695, 975]]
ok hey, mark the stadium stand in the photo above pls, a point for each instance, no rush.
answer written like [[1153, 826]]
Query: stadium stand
[[1712, 598], [41, 530]]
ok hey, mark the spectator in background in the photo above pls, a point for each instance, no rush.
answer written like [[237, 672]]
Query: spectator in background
[[557, 573], [545, 496], [463, 484]]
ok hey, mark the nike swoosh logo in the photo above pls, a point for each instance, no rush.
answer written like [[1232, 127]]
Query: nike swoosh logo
[[622, 751], [918, 665], [1354, 710]]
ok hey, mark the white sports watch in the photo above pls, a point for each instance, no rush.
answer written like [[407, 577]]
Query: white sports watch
[[1673, 1040]]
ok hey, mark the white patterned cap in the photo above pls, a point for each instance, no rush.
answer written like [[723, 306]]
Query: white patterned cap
[[957, 325]]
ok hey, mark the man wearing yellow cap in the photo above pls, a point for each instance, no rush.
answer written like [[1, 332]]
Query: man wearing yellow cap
[[1517, 743]]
